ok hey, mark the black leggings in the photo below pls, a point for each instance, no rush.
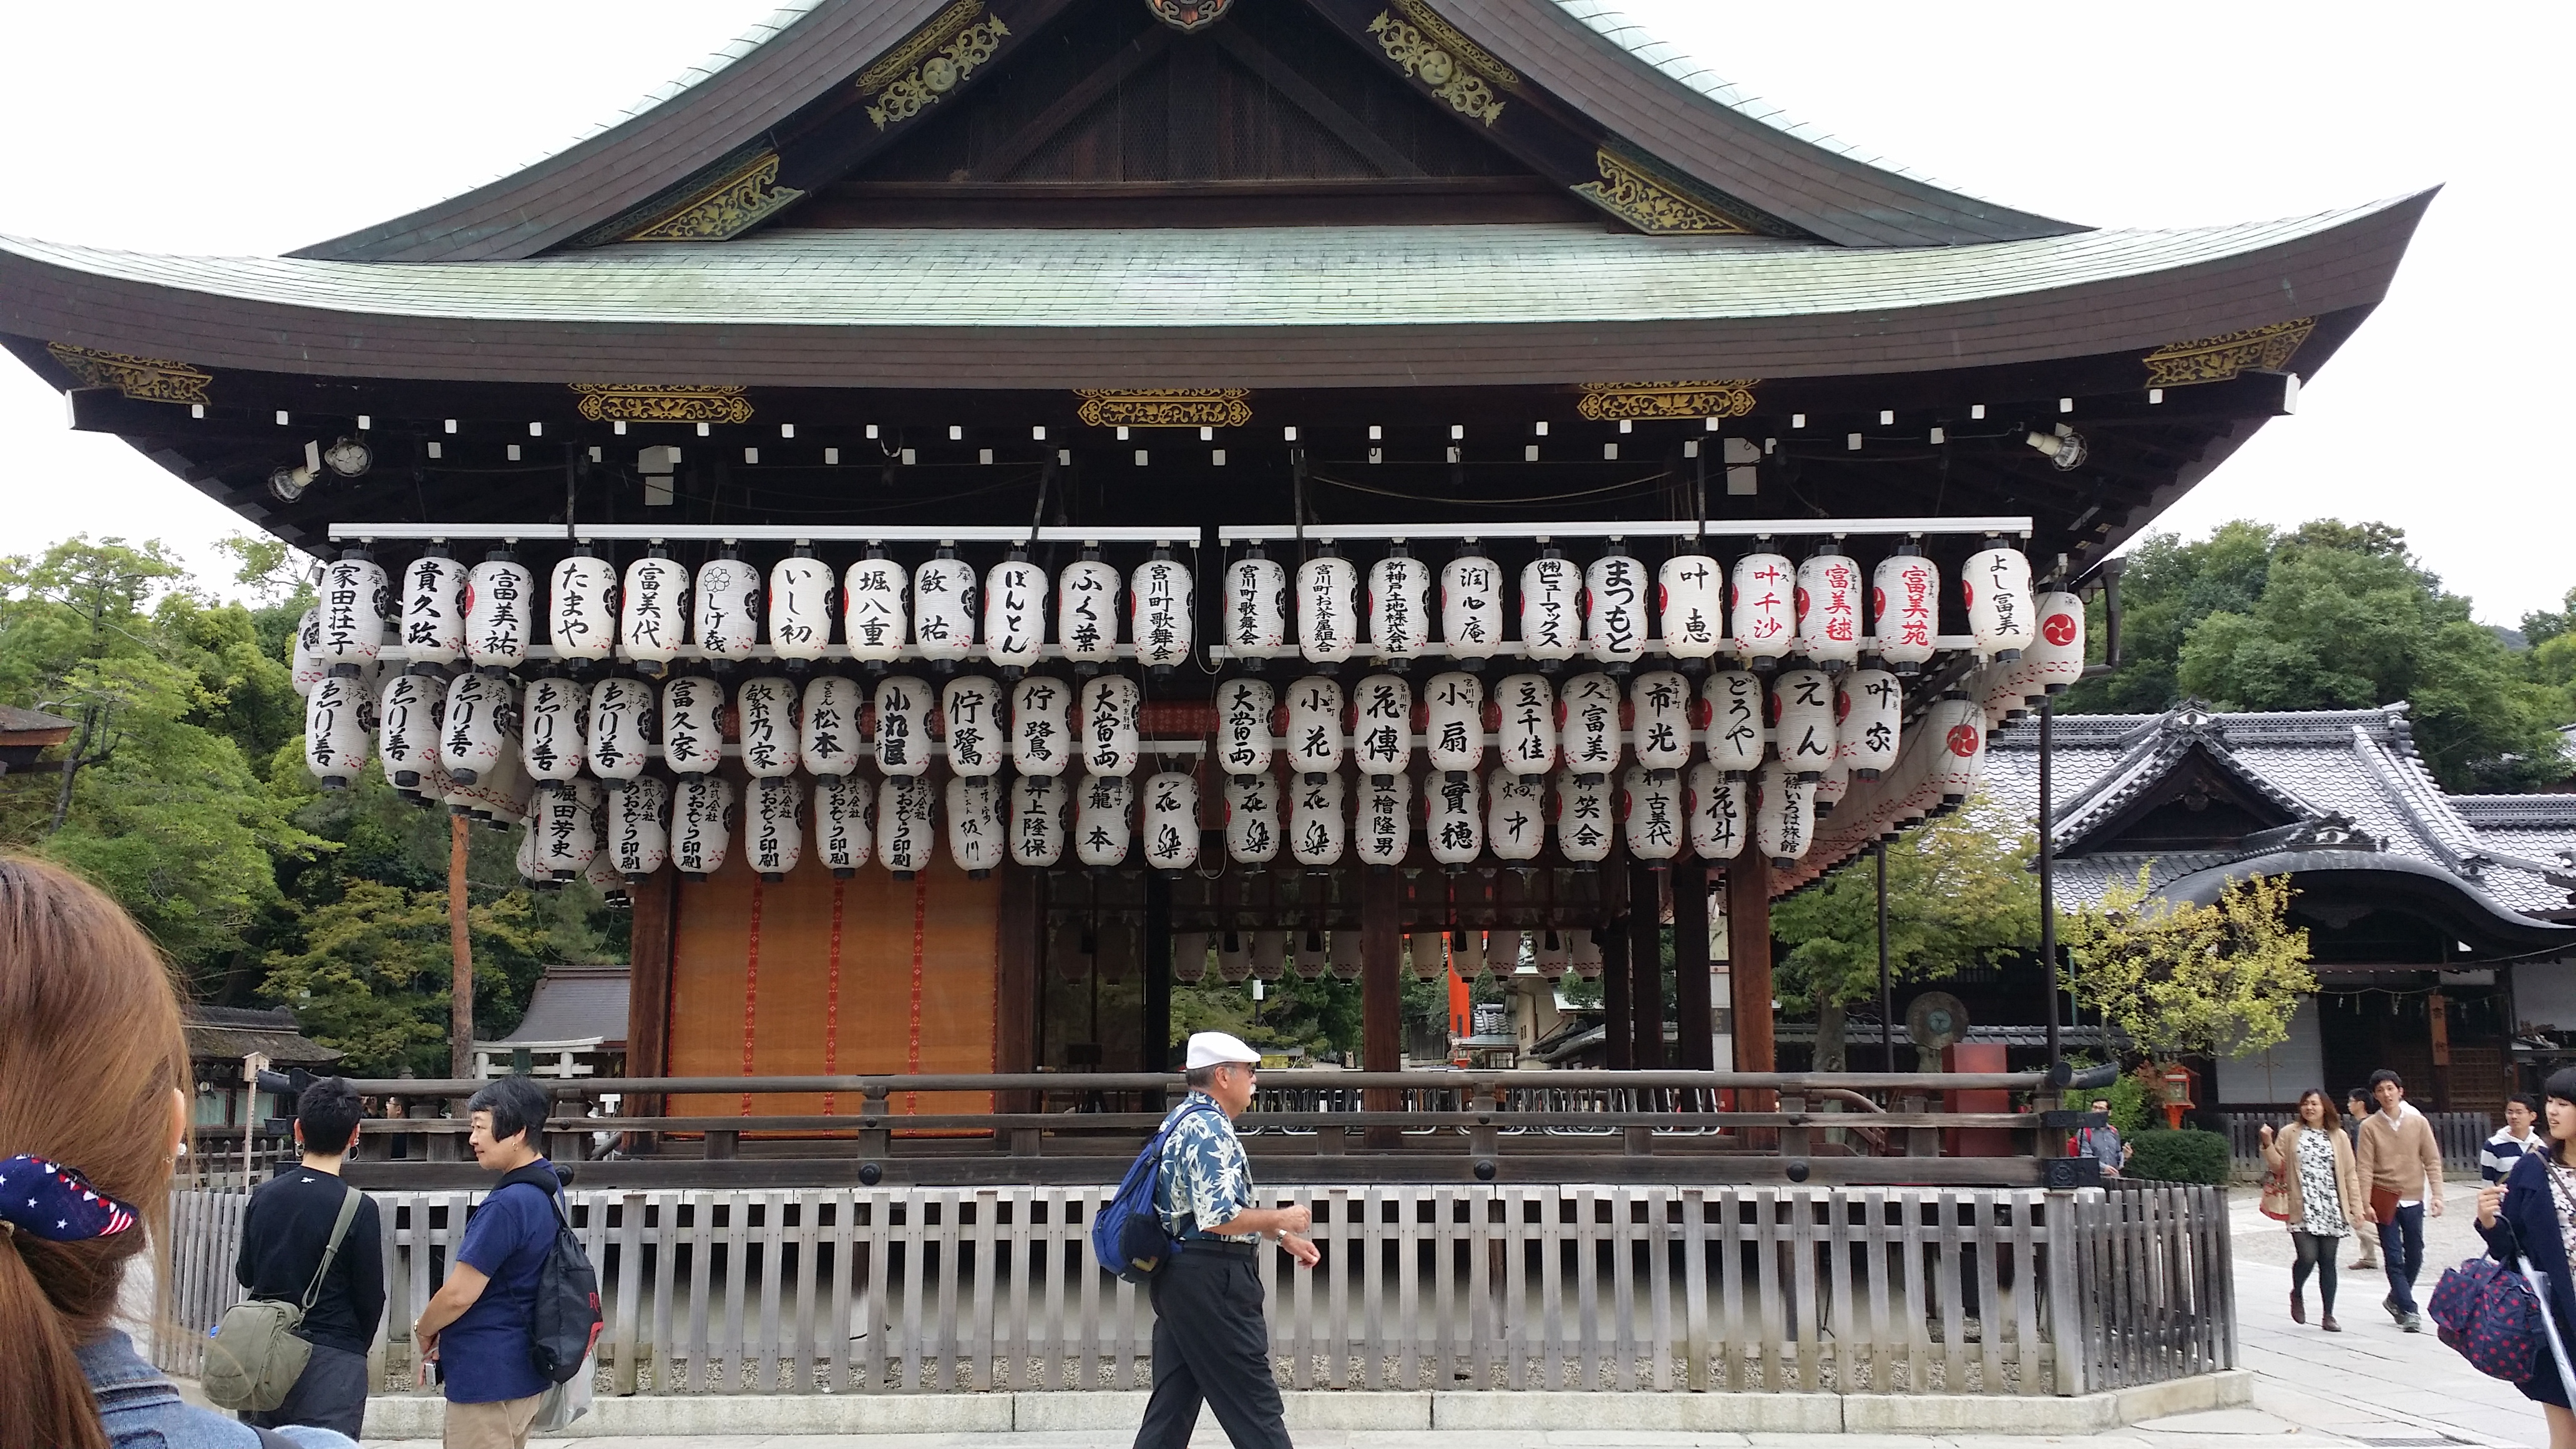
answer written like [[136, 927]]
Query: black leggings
[[2318, 1254]]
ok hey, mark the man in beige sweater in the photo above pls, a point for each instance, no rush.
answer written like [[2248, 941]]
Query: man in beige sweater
[[2403, 1166]]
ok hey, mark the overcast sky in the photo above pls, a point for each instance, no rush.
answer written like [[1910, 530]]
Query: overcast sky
[[256, 127]]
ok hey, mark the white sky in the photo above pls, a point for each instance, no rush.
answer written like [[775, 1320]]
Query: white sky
[[257, 127]]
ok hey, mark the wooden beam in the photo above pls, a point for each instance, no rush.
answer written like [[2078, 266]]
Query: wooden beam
[[1748, 961], [1697, 1049], [1283, 78], [654, 903], [1618, 1012], [1381, 995], [1024, 143], [1158, 975], [1016, 983], [1646, 965]]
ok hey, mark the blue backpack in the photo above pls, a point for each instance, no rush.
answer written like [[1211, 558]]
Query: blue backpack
[[1127, 1236]]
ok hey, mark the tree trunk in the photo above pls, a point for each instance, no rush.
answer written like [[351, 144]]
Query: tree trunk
[[1830, 1015], [460, 942], [72, 762]]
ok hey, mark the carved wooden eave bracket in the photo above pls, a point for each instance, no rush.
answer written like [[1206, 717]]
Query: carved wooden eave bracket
[[1446, 63], [931, 62], [718, 204], [2220, 358], [1619, 401], [144, 379], [1165, 407], [637, 403]]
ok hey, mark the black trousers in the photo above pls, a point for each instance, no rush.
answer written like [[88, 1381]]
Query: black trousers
[[1211, 1345], [331, 1393]]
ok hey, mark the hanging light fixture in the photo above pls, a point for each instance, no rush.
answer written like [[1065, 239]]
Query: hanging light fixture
[[1733, 701], [581, 595], [1659, 701], [765, 720], [943, 607], [1765, 598], [1614, 607], [1256, 605], [1829, 609], [903, 825], [1783, 815], [2056, 655], [828, 738], [1550, 624], [1453, 734], [1453, 818], [1589, 713], [1243, 709], [800, 606], [845, 823], [639, 830], [727, 628], [1315, 742], [1802, 720], [874, 616], [1525, 712], [554, 725], [692, 724], [1318, 830], [337, 731], [308, 666], [1269, 955], [1869, 705], [1471, 605], [1327, 623], [355, 598], [496, 612], [1384, 821], [1583, 831], [1042, 738], [1515, 815], [903, 728], [1038, 805], [1111, 704], [408, 710], [1086, 610], [653, 610], [970, 706], [1398, 604], [1382, 733], [700, 830], [1996, 585], [1650, 807], [1715, 800], [1189, 956], [1171, 821], [1252, 819], [1428, 952], [433, 610], [1691, 593], [975, 838], [773, 827], [1905, 608], [1166, 608], [1102, 828], [1015, 593], [475, 725]]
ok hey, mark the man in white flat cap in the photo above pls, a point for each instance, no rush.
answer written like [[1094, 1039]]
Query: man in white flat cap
[[1211, 1343]]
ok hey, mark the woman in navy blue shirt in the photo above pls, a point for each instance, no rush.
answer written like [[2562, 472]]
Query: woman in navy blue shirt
[[2533, 1212]]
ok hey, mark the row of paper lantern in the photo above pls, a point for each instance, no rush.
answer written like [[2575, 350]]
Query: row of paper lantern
[[1240, 956], [486, 616]]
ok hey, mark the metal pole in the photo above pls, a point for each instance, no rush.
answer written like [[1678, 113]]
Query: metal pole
[[2048, 875], [1886, 996]]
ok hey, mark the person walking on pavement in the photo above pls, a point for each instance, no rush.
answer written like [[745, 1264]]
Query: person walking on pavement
[[2403, 1166], [2315, 1158], [1211, 1343], [481, 1323], [2533, 1213], [2356, 1110], [2103, 1143], [2513, 1139], [285, 1232]]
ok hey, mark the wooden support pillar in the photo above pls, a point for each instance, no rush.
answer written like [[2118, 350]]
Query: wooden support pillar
[[655, 903], [1618, 1027], [1645, 966], [1016, 948], [1748, 959], [1158, 981], [1381, 996], [1697, 1049]]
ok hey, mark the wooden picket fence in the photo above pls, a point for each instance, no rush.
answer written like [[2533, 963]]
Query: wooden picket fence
[[1617, 1287]]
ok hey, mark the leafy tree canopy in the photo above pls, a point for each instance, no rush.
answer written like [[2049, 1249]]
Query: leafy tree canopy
[[2184, 979]]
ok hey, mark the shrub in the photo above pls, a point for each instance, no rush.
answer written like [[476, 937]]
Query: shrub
[[2189, 1155], [2129, 1101]]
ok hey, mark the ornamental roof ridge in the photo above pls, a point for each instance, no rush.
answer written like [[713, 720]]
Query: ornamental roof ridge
[[2493, 811]]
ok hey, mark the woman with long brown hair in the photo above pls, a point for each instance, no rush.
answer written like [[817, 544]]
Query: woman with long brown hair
[[2314, 1156], [2531, 1215], [93, 1111]]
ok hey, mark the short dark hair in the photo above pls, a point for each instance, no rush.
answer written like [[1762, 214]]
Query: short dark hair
[[2385, 1075], [517, 1105], [2529, 1100], [327, 1112], [2357, 1094]]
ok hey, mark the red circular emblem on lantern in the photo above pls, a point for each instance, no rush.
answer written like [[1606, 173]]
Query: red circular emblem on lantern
[[1842, 705], [2059, 630], [1878, 603], [1968, 593], [1962, 740], [1801, 595]]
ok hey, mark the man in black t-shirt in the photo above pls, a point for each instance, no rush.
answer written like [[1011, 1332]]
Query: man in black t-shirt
[[284, 1232]]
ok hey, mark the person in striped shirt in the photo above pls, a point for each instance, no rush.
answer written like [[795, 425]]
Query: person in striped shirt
[[2498, 1156]]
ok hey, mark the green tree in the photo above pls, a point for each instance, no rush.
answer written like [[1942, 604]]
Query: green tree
[[2184, 979], [368, 973], [1960, 893]]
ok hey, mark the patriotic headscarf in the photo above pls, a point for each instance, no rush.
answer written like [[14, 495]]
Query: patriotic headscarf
[[54, 1202]]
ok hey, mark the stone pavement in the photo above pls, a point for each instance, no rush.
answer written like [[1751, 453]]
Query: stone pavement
[[2371, 1386]]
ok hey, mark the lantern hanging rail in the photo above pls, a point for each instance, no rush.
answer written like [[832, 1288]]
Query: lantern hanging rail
[[1515, 649], [2016, 525], [836, 533], [447, 532], [1793, 1083]]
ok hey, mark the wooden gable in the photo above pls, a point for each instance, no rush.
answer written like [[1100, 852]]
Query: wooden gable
[[2200, 802]]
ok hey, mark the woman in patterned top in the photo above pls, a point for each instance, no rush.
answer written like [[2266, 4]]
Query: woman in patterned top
[[2532, 1213], [2315, 1156]]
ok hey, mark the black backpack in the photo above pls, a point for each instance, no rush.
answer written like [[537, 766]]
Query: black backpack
[[567, 1321]]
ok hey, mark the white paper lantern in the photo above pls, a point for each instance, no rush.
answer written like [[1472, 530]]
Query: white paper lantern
[[1318, 831], [828, 738], [728, 608], [1660, 702], [1015, 599], [1347, 955], [525, 861], [1691, 599], [903, 727], [904, 840], [1583, 824], [943, 607], [337, 720], [1831, 788], [1467, 955], [622, 720], [639, 830], [1453, 818], [1766, 607], [1829, 609], [1189, 956], [503, 793], [976, 840], [475, 726], [1269, 955], [1504, 950], [1784, 819], [1551, 952], [1327, 621], [1802, 720], [1252, 819], [692, 724], [845, 823], [1471, 605], [701, 830], [565, 821], [1955, 762], [1315, 744], [1525, 713], [1102, 823], [355, 599], [1650, 807], [1382, 725], [1905, 607], [1551, 626], [653, 611], [875, 619], [1614, 608], [1870, 703], [970, 707], [1589, 740], [1583, 952], [1383, 827], [1429, 953], [1453, 732], [1256, 603], [2056, 653], [800, 606], [1515, 815], [1086, 608], [554, 728], [1171, 821], [1243, 739], [408, 710], [497, 600], [1234, 956], [1038, 806], [765, 719], [1310, 956], [1732, 701], [1110, 706], [309, 665], [1996, 584], [1399, 608], [581, 612], [1166, 611], [433, 610], [1716, 802], [1042, 736], [602, 877]]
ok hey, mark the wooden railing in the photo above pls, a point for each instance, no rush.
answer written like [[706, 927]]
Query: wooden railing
[[1500, 1288], [1312, 1126], [2460, 1135]]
